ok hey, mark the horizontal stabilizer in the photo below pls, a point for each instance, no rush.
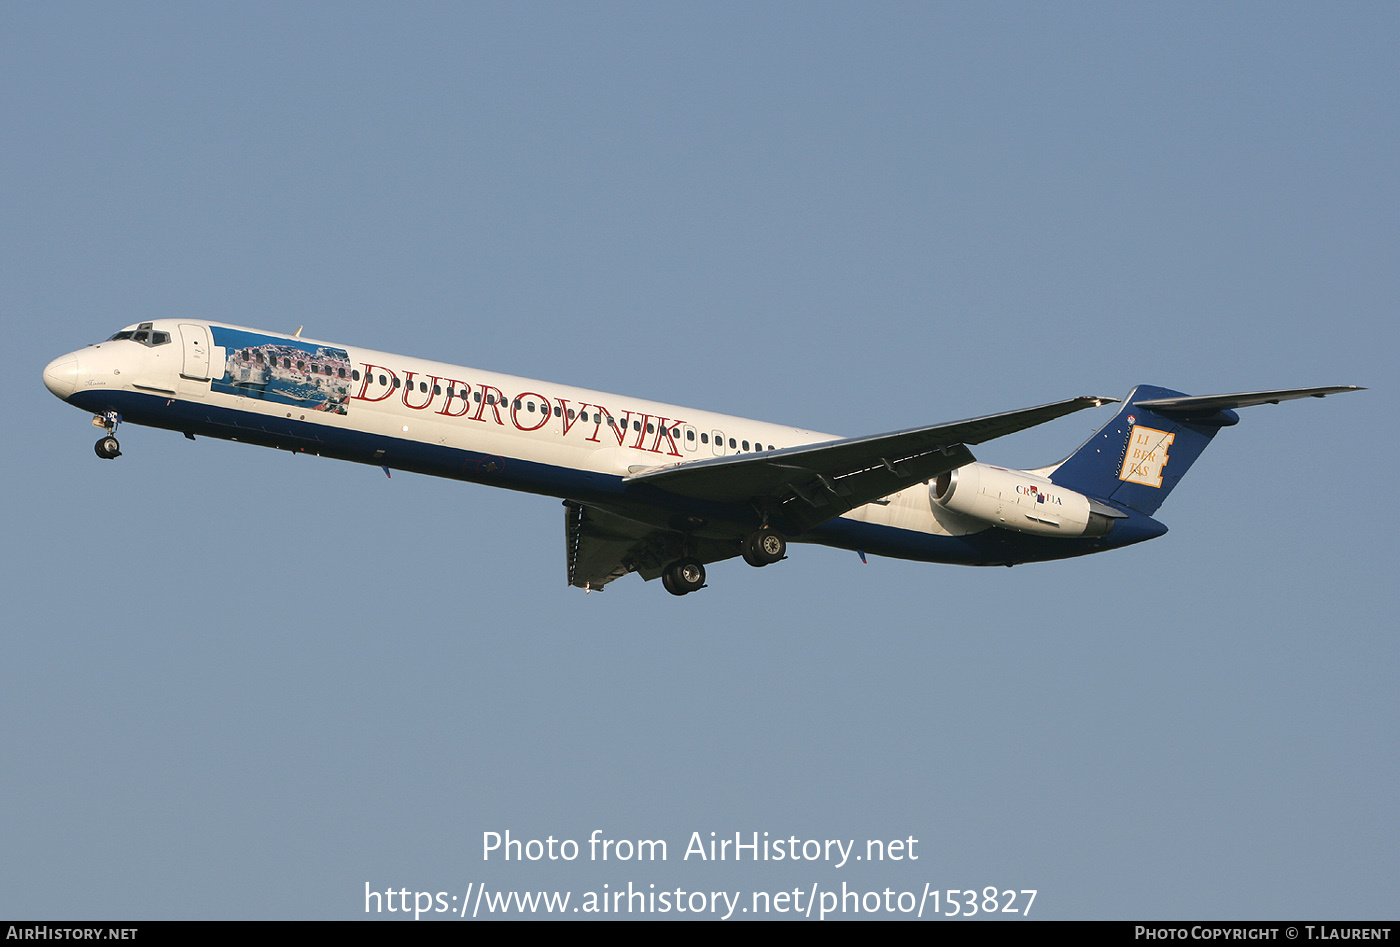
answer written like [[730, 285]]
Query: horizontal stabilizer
[[1136, 459], [1204, 405]]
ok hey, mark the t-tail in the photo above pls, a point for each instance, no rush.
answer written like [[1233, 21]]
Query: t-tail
[[1136, 459]]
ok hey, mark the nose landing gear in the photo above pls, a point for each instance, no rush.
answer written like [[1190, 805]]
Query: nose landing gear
[[107, 447]]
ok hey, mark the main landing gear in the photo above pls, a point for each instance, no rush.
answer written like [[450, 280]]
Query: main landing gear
[[762, 547], [684, 576], [107, 447], [765, 546]]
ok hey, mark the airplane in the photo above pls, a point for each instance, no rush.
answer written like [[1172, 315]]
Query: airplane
[[651, 488]]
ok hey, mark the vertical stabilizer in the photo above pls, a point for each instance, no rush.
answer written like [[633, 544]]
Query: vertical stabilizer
[[1137, 458]]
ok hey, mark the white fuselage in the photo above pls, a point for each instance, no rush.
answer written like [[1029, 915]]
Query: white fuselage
[[434, 404], [651, 487]]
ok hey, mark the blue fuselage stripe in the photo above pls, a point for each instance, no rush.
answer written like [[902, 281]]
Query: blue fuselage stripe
[[991, 546]]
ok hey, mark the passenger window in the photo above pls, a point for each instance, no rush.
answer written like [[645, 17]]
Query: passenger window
[[704, 438]]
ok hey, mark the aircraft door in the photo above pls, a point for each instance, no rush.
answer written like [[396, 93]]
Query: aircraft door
[[690, 438], [195, 340], [717, 442]]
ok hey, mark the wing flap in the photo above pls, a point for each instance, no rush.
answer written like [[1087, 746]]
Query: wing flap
[[596, 549], [602, 546]]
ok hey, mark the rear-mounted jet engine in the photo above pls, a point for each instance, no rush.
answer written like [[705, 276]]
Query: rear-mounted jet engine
[[1020, 501]]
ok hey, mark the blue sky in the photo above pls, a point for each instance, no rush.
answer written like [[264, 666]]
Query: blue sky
[[844, 218]]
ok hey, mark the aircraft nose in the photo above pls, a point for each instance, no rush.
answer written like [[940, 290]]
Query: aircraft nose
[[61, 376]]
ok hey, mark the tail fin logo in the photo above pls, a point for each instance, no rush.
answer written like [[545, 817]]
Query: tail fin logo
[[1146, 456]]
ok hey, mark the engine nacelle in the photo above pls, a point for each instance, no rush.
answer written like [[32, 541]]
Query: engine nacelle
[[1020, 501]]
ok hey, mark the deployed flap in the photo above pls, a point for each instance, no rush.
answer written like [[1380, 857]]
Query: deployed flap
[[596, 550], [1200, 405], [811, 484], [602, 546]]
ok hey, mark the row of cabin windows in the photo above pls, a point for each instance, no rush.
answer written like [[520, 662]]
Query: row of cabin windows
[[734, 443], [146, 336]]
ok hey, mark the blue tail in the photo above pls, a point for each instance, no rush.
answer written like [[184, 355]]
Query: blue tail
[[1135, 459]]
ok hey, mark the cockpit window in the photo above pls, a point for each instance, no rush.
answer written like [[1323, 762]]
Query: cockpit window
[[144, 334]]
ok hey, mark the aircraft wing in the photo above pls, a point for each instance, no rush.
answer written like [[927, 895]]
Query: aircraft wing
[[811, 484], [603, 546]]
